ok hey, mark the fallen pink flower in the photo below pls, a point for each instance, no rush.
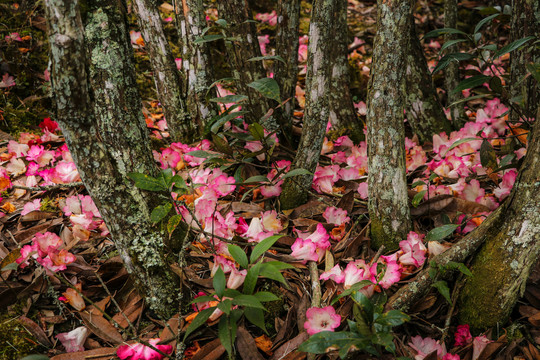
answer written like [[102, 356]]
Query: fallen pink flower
[[139, 351], [321, 319], [73, 341], [479, 344], [463, 335]]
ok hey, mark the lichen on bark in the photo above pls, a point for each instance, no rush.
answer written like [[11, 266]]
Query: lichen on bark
[[388, 202], [100, 117], [295, 189]]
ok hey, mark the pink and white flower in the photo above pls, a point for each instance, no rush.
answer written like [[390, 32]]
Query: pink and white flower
[[139, 351], [321, 319], [73, 341]]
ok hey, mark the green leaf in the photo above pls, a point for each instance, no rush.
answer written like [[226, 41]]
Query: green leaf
[[344, 340], [238, 255], [256, 317], [179, 182], [173, 223], [270, 272], [459, 142], [534, 69], [358, 286], [488, 157], [267, 57], [231, 293], [256, 179], [257, 131], [490, 47], [512, 46], [459, 266], [225, 306], [224, 334], [444, 31], [471, 82], [160, 212], [227, 99], [268, 87], [395, 317], [248, 301], [219, 282], [418, 198], [202, 154], [204, 298], [208, 38], [418, 183], [251, 279], [280, 265], [443, 289], [470, 98], [447, 59], [484, 21], [223, 119], [199, 320], [265, 296], [297, 172], [35, 357], [451, 42], [262, 247], [385, 339], [507, 160], [147, 182], [441, 232], [222, 22]]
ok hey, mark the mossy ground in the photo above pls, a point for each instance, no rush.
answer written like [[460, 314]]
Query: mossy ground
[[15, 341]]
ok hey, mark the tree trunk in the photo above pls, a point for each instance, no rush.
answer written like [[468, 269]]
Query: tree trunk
[[388, 203], [295, 189], [245, 47], [503, 264], [109, 140], [196, 63], [287, 47], [525, 22], [451, 73], [424, 111], [166, 76], [342, 111]]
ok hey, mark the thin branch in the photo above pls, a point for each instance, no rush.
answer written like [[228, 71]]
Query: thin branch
[[49, 187]]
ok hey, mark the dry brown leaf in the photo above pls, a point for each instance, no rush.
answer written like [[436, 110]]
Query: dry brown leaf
[[101, 328], [264, 344], [35, 330], [289, 346], [132, 311], [246, 345], [96, 354], [211, 351]]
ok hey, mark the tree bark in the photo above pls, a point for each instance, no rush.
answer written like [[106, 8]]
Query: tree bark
[[287, 47], [424, 111], [166, 76], [108, 139], [342, 111], [295, 189], [503, 264], [451, 73], [525, 22], [388, 202], [196, 66], [245, 47]]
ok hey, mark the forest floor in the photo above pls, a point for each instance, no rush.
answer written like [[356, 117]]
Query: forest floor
[[71, 276]]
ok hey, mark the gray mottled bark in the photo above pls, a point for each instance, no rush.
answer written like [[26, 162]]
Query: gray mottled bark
[[502, 266], [166, 76], [196, 63], [525, 22], [424, 111], [388, 203], [245, 47], [295, 190], [451, 73], [108, 140], [342, 111], [287, 47]]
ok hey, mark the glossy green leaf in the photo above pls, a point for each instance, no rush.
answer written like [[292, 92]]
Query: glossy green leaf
[[265, 296], [248, 301], [268, 87], [443, 289], [257, 131], [262, 247], [418, 198], [228, 99], [297, 172], [223, 119], [488, 156], [270, 272], [238, 255], [251, 279], [484, 21], [459, 266], [267, 57], [256, 317], [448, 59], [224, 334], [219, 282], [395, 317], [322, 341], [160, 212], [512, 46], [459, 142], [173, 223], [471, 82], [444, 31], [441, 232], [208, 38], [199, 320], [147, 182], [451, 42]]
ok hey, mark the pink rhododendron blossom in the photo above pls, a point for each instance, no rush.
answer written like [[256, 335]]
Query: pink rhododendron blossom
[[392, 272], [414, 250], [336, 216], [49, 125], [31, 206], [67, 172], [221, 262], [270, 18], [169, 158], [479, 344], [449, 356], [269, 191], [355, 272], [18, 149], [271, 222], [335, 274], [13, 37], [256, 232], [304, 250], [139, 351], [255, 146], [16, 167], [236, 278], [73, 341], [435, 248], [463, 335], [363, 190], [7, 81], [325, 177], [424, 347], [321, 319], [508, 180], [223, 185], [263, 41]]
